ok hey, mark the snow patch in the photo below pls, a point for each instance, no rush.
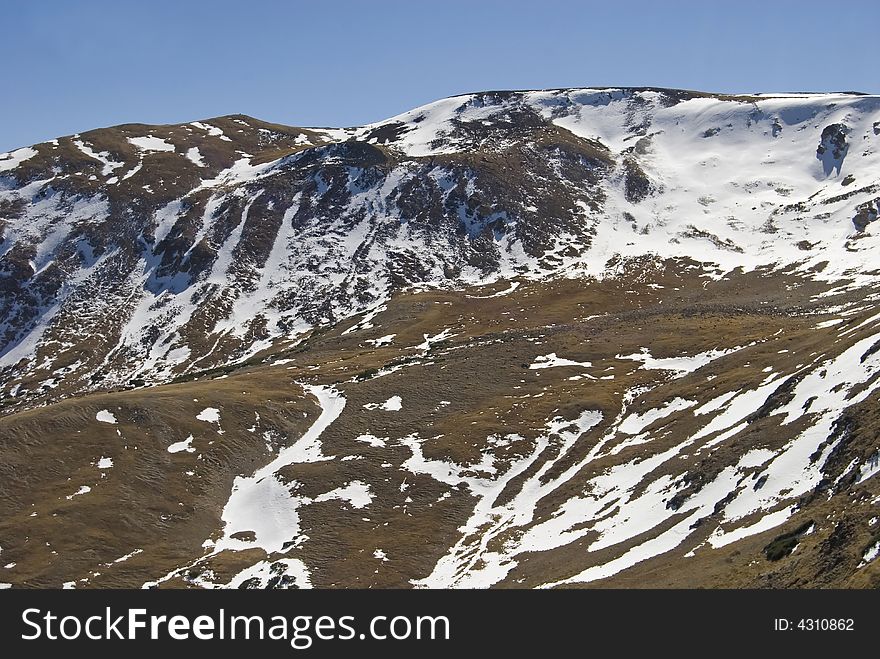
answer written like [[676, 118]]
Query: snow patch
[[262, 504], [680, 366], [150, 143], [105, 416], [425, 346], [870, 468], [185, 445], [209, 414], [357, 493], [635, 423], [195, 156], [393, 404], [212, 130], [372, 440], [12, 159], [551, 361], [870, 554], [382, 340], [84, 489], [721, 538]]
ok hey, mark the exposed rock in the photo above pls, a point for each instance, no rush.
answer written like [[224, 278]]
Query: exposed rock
[[833, 147]]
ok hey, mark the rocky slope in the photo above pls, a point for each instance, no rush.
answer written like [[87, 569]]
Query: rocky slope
[[611, 337]]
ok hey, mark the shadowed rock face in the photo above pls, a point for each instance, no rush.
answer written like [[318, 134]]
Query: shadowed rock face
[[866, 214], [613, 336], [833, 147]]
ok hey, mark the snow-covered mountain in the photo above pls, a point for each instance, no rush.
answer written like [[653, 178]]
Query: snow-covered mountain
[[139, 252], [656, 244]]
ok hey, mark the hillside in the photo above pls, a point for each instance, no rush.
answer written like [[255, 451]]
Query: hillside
[[601, 337]]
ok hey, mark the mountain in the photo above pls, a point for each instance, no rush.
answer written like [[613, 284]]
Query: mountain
[[606, 337]]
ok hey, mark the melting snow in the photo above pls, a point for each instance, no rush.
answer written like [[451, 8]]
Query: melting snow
[[470, 564], [738, 408], [209, 414], [393, 404], [507, 291], [134, 170], [870, 468], [129, 555], [551, 360], [382, 340], [715, 404], [357, 493], [425, 346], [372, 440], [635, 423], [150, 143], [195, 156], [262, 503], [366, 322], [13, 159], [681, 366], [212, 130], [870, 554], [720, 538], [185, 445], [105, 416], [103, 157], [85, 489]]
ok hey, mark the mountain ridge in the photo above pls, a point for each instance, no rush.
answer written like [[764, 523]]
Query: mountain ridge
[[631, 88]]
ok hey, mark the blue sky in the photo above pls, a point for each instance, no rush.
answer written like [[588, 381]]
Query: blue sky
[[70, 66]]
